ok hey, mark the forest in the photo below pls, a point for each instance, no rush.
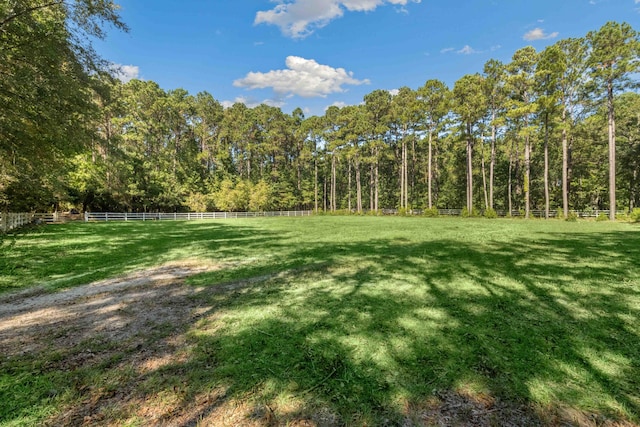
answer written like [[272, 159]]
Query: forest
[[551, 129]]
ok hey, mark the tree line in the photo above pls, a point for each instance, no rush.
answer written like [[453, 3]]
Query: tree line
[[555, 129]]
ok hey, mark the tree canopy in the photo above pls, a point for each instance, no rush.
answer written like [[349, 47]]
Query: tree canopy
[[530, 134]]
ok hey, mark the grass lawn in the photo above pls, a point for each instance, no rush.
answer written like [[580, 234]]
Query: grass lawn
[[352, 320]]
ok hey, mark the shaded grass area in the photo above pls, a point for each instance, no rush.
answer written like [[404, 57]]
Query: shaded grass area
[[366, 319], [62, 256]]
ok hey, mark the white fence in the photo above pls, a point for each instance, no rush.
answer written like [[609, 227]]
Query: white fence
[[188, 216], [534, 213], [10, 221]]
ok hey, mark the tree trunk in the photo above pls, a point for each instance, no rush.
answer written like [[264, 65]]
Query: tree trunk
[[430, 172], [469, 170], [324, 195], [333, 183], [299, 175], [413, 171], [565, 166], [406, 178], [484, 178], [436, 174], [377, 183], [402, 182], [632, 189], [546, 166], [315, 184], [371, 182], [492, 163], [349, 185], [612, 154], [527, 171], [358, 186], [510, 185]]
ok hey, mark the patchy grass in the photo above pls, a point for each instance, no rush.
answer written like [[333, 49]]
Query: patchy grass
[[347, 320]]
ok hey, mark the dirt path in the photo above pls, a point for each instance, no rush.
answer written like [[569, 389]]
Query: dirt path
[[117, 308], [138, 320]]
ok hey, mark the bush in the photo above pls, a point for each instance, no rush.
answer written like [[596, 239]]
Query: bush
[[466, 214], [198, 202], [634, 216], [404, 212], [572, 217], [430, 213], [490, 213], [602, 217]]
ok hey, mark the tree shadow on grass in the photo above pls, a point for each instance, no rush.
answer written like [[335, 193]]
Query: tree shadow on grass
[[550, 322], [86, 253], [371, 333]]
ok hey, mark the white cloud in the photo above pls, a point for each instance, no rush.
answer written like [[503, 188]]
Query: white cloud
[[394, 92], [300, 18], [539, 34], [467, 50], [338, 104], [125, 73], [303, 77], [447, 50], [252, 102]]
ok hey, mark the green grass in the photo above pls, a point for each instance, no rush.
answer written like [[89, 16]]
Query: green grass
[[363, 316]]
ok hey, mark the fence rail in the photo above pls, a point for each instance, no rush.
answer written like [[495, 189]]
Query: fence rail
[[10, 221], [182, 216], [553, 213]]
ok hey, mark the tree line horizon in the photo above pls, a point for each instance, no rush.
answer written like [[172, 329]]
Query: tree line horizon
[[555, 129]]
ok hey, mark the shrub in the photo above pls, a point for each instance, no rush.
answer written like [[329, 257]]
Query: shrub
[[466, 214], [198, 202], [431, 213], [573, 217], [634, 216], [602, 217], [404, 212], [490, 213]]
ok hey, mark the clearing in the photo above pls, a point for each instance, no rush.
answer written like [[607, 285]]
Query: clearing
[[322, 321]]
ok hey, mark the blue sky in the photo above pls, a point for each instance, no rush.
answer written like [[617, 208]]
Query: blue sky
[[316, 53]]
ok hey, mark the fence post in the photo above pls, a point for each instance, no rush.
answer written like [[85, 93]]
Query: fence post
[[86, 216], [106, 217]]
